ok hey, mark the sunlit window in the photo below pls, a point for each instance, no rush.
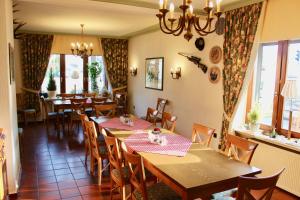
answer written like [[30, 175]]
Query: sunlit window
[[101, 77], [74, 74], [54, 63]]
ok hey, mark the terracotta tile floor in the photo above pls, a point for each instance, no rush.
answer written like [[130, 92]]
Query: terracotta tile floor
[[54, 168]]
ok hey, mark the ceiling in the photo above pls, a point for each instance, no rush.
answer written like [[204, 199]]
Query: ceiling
[[115, 18]]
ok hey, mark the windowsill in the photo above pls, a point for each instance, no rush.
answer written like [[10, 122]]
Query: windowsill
[[280, 141]]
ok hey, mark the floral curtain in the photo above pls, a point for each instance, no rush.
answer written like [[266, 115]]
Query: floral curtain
[[36, 51], [115, 53], [240, 29]]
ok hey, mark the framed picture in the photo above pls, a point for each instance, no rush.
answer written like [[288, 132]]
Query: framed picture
[[154, 73], [11, 63]]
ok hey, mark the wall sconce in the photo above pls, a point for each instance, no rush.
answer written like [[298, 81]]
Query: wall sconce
[[176, 73], [133, 71]]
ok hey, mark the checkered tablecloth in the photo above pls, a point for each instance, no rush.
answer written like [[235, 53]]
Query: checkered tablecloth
[[176, 144], [139, 124]]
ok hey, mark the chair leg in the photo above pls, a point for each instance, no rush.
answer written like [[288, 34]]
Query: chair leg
[[99, 171], [92, 165], [123, 192], [25, 118], [111, 188], [86, 154]]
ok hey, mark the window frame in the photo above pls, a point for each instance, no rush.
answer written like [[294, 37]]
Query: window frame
[[280, 77]]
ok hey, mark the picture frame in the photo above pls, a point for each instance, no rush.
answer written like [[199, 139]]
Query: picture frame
[[11, 64], [154, 73]]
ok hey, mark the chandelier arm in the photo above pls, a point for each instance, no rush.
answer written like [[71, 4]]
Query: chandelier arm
[[165, 24], [163, 29], [182, 27], [197, 25]]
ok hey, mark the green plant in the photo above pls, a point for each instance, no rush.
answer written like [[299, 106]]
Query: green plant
[[95, 70], [254, 115], [51, 84]]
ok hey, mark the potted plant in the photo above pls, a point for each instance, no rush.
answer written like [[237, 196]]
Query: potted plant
[[51, 85], [95, 70], [253, 118], [105, 92]]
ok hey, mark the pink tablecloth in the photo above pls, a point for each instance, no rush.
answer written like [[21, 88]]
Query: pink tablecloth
[[176, 145], [139, 124]]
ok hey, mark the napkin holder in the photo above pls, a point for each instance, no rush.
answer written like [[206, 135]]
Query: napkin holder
[[155, 137], [126, 120]]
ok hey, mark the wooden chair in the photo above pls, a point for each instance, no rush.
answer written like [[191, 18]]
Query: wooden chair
[[107, 110], [83, 119], [168, 121], [51, 116], [160, 107], [78, 107], [24, 112], [151, 115], [203, 134], [248, 184], [98, 153], [239, 148], [121, 101], [119, 174], [158, 191], [252, 188]]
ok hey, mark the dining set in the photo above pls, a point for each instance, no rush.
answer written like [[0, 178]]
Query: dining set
[[147, 154]]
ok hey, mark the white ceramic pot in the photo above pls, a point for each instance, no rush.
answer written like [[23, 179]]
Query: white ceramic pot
[[51, 94], [254, 127]]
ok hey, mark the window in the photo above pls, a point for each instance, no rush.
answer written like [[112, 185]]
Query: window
[[71, 73], [54, 63], [276, 63], [74, 74]]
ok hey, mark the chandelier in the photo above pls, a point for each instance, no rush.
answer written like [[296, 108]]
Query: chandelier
[[82, 49], [188, 19]]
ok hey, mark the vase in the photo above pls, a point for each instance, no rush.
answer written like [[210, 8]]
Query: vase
[[51, 94], [254, 127]]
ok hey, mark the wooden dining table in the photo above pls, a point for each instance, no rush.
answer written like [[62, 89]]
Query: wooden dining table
[[199, 174]]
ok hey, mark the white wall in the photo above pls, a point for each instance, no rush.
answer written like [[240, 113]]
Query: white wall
[[192, 98], [8, 116]]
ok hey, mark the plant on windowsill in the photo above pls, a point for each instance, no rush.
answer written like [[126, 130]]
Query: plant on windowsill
[[95, 70], [253, 118], [51, 85]]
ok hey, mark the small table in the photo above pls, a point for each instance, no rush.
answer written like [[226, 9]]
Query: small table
[[199, 174]]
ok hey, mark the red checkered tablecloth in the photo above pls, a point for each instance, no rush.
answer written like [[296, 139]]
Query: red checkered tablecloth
[[139, 124], [176, 144]]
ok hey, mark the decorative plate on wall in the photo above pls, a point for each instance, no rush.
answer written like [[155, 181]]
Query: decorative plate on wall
[[214, 74], [215, 54]]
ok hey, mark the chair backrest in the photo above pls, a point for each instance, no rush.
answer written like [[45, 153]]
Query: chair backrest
[[83, 119], [99, 100], [45, 107], [161, 105], [248, 184], [240, 148], [107, 110], [114, 154], [137, 173], [151, 115], [168, 121], [92, 135], [66, 96], [90, 95], [202, 134], [78, 105]]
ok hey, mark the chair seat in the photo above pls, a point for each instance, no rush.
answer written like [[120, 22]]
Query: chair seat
[[158, 191], [116, 174], [226, 195]]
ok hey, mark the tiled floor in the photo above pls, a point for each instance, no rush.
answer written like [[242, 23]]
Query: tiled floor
[[54, 168]]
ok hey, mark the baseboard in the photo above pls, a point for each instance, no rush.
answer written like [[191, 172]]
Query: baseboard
[[13, 196], [284, 191]]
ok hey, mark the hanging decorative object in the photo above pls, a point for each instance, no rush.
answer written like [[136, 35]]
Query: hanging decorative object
[[196, 60], [17, 23], [220, 26], [199, 43], [188, 19], [81, 48], [214, 74], [215, 54]]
